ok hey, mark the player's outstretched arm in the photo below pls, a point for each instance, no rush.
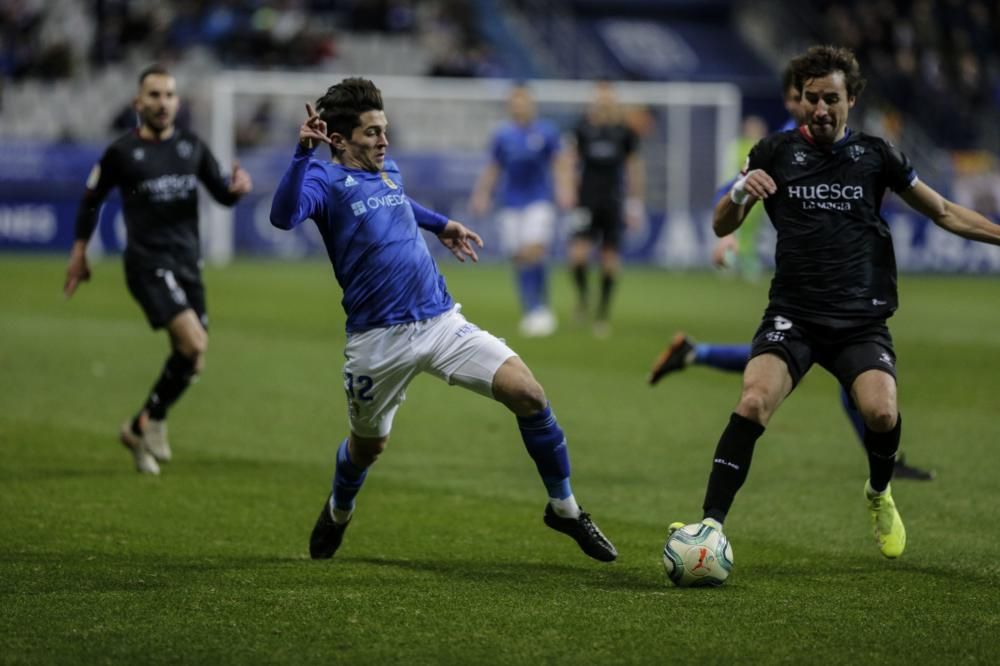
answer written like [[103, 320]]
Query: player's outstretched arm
[[950, 216], [730, 211], [460, 239]]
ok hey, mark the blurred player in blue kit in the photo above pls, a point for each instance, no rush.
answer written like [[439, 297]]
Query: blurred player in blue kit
[[530, 176], [401, 320]]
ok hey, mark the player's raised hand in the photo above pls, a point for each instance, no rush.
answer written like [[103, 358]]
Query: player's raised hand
[[459, 239], [77, 271], [313, 129], [239, 182], [759, 184]]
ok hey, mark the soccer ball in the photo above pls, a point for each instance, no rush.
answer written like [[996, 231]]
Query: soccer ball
[[697, 555]]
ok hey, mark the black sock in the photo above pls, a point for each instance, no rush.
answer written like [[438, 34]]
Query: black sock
[[175, 377], [607, 286], [580, 279], [882, 448], [731, 465]]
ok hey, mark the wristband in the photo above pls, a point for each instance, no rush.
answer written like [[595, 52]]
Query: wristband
[[738, 195]]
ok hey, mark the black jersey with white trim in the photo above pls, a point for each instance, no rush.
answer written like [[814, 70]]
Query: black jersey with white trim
[[158, 181], [834, 258]]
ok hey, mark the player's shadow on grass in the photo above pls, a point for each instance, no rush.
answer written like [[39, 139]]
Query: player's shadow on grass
[[595, 574]]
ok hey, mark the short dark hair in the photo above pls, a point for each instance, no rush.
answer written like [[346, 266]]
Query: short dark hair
[[152, 70], [820, 61], [342, 105]]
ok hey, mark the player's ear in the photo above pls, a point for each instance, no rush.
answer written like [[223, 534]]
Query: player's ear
[[850, 102], [338, 141]]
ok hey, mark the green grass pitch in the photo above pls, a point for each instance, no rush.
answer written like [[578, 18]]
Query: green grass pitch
[[447, 560]]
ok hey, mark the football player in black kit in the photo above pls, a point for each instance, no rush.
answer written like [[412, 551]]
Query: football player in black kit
[[156, 167], [834, 285], [612, 181]]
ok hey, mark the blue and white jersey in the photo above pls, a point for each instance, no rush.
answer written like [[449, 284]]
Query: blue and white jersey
[[371, 233], [524, 154]]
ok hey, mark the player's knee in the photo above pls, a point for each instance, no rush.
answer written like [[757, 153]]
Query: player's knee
[[193, 346], [754, 405], [881, 419], [524, 398], [366, 450]]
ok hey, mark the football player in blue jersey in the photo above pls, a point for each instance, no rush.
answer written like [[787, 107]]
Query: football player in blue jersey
[[401, 320], [527, 172]]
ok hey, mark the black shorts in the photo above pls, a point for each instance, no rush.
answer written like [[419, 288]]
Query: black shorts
[[163, 293], [603, 224], [844, 352]]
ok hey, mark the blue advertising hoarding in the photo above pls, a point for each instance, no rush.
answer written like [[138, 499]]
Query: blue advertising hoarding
[[41, 184]]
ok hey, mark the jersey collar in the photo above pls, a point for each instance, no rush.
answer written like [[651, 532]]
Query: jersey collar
[[804, 131]]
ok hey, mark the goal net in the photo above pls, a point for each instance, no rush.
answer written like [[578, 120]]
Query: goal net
[[440, 130]]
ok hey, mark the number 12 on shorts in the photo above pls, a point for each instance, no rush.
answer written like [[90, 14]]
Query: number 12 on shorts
[[363, 384]]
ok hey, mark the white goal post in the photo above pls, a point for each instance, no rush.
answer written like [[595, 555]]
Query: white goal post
[[473, 97]]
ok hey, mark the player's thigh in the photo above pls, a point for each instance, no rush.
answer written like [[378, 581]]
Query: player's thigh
[[463, 354], [378, 366], [187, 334], [158, 292], [539, 226], [865, 364], [792, 343], [874, 395], [766, 383], [609, 225]]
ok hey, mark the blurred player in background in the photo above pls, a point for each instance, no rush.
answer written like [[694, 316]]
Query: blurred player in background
[[834, 285], [527, 172], [612, 183], [156, 167], [740, 248], [401, 320]]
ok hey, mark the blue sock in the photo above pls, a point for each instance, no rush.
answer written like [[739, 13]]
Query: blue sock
[[733, 358], [347, 480], [853, 414], [526, 287], [541, 284], [546, 444]]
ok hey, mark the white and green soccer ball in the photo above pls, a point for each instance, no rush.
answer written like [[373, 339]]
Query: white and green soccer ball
[[697, 555]]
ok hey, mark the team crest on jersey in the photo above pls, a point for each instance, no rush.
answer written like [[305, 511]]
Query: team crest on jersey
[[184, 149], [138, 154], [349, 181], [855, 151], [781, 324], [388, 181], [800, 157]]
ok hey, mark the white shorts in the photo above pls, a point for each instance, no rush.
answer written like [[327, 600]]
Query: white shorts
[[381, 363], [534, 224]]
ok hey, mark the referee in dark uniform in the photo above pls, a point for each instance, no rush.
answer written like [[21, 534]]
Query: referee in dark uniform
[[834, 284], [157, 168], [612, 180]]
